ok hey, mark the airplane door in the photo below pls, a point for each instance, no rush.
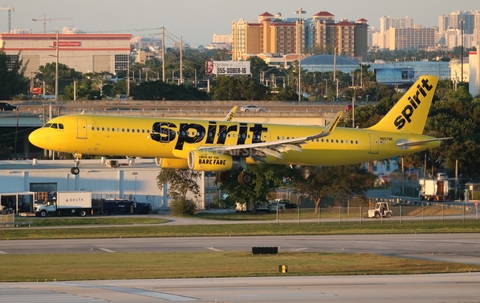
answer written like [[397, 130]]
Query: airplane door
[[81, 128], [373, 143]]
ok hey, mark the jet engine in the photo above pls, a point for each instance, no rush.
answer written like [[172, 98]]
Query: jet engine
[[210, 161], [172, 163]]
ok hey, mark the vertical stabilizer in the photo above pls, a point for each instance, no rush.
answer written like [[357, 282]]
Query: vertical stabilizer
[[410, 113]]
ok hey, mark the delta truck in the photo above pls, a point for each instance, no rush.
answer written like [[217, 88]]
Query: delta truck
[[66, 203]]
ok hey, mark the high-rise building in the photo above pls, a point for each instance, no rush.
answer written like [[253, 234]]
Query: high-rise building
[[411, 38], [381, 38], [273, 34], [451, 25]]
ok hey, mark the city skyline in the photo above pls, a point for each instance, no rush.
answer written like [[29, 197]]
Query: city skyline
[[196, 22]]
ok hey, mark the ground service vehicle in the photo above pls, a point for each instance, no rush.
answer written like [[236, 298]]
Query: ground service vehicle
[[434, 190], [111, 207], [381, 210], [66, 203]]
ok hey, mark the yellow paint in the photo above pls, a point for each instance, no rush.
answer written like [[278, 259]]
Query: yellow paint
[[397, 134]]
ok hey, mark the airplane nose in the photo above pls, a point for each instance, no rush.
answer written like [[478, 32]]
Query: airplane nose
[[35, 138]]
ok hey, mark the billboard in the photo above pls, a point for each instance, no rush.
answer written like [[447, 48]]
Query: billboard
[[395, 76], [227, 68]]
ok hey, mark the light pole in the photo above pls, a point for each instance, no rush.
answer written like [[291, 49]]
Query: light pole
[[56, 66], [461, 55], [300, 11]]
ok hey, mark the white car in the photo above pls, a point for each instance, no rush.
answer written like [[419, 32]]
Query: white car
[[251, 108]]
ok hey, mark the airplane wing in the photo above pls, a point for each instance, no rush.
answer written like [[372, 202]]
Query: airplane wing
[[276, 148], [414, 143]]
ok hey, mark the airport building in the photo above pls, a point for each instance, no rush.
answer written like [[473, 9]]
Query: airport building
[[134, 179], [83, 52]]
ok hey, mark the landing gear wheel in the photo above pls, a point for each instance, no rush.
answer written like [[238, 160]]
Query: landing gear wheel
[[75, 170], [245, 178], [222, 176]]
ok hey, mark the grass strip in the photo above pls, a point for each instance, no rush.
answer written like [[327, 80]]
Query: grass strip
[[105, 266], [264, 229]]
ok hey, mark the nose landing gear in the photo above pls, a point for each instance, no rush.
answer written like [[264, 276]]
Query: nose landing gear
[[76, 170]]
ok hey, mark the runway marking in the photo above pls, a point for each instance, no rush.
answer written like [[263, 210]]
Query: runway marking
[[132, 291], [3, 253], [212, 248], [299, 249], [107, 250]]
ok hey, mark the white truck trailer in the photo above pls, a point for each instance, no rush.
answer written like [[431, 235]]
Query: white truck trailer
[[66, 203], [434, 190]]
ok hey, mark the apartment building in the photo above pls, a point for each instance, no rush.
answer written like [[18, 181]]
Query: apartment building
[[274, 34]]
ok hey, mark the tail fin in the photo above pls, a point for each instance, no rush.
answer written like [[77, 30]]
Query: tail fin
[[410, 113]]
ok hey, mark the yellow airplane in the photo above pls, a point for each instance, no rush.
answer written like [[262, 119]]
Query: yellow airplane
[[225, 145]]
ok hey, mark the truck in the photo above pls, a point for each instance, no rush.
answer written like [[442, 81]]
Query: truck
[[121, 206], [381, 210], [66, 203], [434, 189]]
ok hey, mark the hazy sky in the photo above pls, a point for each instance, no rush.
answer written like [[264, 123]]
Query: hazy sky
[[196, 21]]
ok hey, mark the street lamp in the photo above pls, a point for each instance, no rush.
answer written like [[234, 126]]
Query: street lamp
[[300, 11], [461, 55]]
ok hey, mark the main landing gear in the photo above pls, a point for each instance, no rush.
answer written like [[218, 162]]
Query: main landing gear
[[76, 170], [243, 178]]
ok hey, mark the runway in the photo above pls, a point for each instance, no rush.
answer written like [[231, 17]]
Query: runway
[[412, 288], [462, 248], [459, 248]]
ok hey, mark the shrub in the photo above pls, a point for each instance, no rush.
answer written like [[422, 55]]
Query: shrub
[[183, 208]]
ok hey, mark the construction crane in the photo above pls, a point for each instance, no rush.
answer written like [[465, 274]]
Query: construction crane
[[45, 19], [10, 10]]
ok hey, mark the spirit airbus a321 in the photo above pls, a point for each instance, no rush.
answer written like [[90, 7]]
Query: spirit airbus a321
[[225, 145]]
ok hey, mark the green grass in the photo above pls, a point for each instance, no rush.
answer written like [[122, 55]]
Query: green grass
[[74, 221], [262, 229], [105, 266]]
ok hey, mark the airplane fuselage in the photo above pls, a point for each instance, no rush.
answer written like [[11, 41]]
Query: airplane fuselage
[[174, 139]]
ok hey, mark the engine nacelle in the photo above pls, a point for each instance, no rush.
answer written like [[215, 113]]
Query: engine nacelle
[[172, 163], [210, 161]]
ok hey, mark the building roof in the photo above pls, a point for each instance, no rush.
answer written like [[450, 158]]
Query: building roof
[[266, 14], [323, 13], [328, 60]]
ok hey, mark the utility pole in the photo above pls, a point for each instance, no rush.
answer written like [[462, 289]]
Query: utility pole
[[56, 64], [181, 61], [461, 55], [163, 54], [300, 11]]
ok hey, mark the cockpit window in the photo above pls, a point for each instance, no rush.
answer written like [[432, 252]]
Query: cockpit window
[[47, 125], [54, 125], [60, 126]]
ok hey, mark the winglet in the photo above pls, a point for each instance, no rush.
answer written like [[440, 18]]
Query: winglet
[[328, 129], [230, 115], [409, 114]]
